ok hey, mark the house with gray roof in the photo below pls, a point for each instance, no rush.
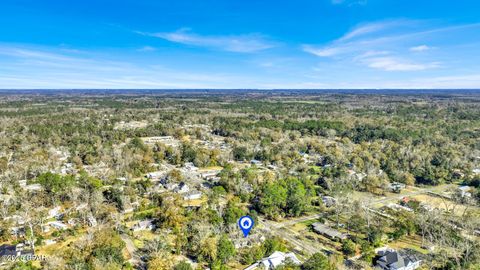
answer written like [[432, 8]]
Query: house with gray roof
[[390, 259], [328, 232]]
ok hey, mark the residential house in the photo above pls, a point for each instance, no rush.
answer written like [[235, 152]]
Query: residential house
[[182, 188], [210, 174], [17, 219], [67, 168], [396, 187], [192, 195], [122, 179], [331, 233], [246, 187], [18, 231], [15, 250], [328, 201], [22, 183], [272, 167], [170, 186], [155, 176], [54, 212], [57, 225], [72, 221], [190, 166], [167, 140], [256, 162], [278, 258], [92, 222], [390, 259], [143, 225], [33, 187], [49, 242], [397, 207], [465, 192]]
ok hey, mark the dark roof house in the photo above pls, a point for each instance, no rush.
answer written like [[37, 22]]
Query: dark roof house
[[12, 250], [396, 260], [328, 232]]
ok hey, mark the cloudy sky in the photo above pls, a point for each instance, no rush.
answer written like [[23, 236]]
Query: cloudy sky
[[239, 44]]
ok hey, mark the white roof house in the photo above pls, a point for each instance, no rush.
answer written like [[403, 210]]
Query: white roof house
[[49, 242], [192, 195], [190, 166], [209, 174], [144, 225], [182, 188], [33, 187], [54, 212], [465, 191], [155, 175], [256, 162], [170, 186], [92, 222], [58, 225], [276, 259]]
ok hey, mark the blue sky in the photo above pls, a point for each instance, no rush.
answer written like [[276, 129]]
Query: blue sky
[[240, 44]]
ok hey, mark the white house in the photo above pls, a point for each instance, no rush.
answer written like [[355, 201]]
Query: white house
[[33, 187], [155, 176], [122, 179], [144, 225], [58, 225], [328, 201], [22, 183], [92, 222], [54, 212], [49, 242], [256, 162], [192, 195], [210, 174], [276, 259], [170, 186], [465, 191], [190, 166], [396, 187], [182, 188]]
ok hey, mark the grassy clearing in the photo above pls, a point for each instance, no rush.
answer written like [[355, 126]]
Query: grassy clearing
[[411, 242], [210, 168], [446, 205]]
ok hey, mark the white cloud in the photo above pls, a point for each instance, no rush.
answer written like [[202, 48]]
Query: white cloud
[[234, 43], [420, 48], [147, 49], [384, 45], [387, 61], [46, 68], [360, 38], [396, 64], [371, 28], [322, 52]]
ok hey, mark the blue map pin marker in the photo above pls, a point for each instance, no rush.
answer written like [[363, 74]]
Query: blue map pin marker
[[246, 224]]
